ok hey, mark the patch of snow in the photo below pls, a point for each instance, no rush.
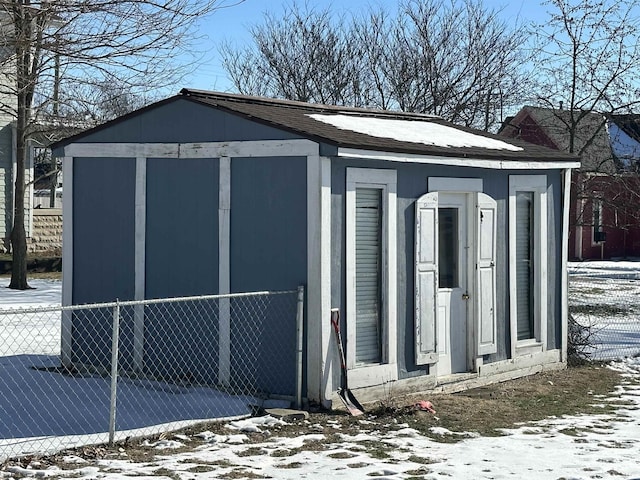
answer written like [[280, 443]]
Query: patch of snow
[[163, 444], [43, 293], [73, 459], [440, 431], [35, 473], [253, 424], [413, 131], [408, 432], [237, 439]]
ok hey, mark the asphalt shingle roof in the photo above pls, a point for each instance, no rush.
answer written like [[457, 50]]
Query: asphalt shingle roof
[[295, 117]]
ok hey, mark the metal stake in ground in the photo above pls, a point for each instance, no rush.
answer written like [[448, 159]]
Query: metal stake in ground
[[344, 393]]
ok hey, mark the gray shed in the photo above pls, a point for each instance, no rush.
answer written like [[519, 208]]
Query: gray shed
[[445, 248]]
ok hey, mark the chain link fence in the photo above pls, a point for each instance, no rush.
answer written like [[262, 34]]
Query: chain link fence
[[604, 310], [100, 373]]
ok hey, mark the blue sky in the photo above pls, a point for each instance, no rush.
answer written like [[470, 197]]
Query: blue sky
[[233, 23]]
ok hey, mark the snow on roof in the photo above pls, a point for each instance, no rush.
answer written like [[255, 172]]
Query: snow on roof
[[414, 131], [625, 148]]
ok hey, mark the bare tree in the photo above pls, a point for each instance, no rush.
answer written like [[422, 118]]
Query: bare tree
[[50, 45], [454, 58], [306, 55], [91, 104], [587, 61]]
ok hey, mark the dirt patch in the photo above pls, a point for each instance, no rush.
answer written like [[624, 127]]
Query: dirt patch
[[48, 264]]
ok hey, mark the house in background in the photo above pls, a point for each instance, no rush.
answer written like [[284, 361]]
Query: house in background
[[605, 213], [443, 247], [7, 169], [43, 221], [43, 227]]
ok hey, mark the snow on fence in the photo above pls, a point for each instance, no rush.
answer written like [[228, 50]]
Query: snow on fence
[[92, 374], [604, 297]]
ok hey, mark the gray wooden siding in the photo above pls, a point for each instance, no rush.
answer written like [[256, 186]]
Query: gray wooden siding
[[182, 227], [182, 260], [183, 121], [103, 254], [412, 183], [103, 229], [268, 223], [268, 252], [6, 189]]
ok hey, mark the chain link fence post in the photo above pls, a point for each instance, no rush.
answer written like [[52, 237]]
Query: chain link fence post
[[299, 345], [114, 372]]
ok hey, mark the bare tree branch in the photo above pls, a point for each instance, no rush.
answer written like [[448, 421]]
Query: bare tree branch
[[453, 58]]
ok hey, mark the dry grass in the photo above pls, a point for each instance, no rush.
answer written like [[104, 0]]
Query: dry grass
[[486, 410], [48, 275]]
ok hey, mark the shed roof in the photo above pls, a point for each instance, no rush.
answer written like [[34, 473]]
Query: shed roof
[[366, 129]]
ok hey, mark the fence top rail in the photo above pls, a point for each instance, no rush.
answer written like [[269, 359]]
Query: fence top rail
[[154, 301]]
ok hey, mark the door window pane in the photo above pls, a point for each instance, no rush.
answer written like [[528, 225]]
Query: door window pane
[[448, 247], [524, 264]]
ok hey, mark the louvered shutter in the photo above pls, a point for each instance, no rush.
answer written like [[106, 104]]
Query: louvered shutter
[[524, 264], [368, 275], [426, 288], [486, 274]]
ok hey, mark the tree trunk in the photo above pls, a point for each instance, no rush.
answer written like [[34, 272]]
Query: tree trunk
[[18, 233], [24, 98]]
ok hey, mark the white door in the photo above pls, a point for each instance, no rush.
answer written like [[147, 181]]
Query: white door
[[455, 267], [454, 244]]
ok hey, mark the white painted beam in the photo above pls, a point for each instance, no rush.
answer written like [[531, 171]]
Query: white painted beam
[[224, 271], [140, 230], [318, 291], [456, 161], [67, 260], [262, 148], [564, 296]]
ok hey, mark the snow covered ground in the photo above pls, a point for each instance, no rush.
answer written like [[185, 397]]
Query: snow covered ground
[[600, 446], [580, 447], [606, 296], [45, 409]]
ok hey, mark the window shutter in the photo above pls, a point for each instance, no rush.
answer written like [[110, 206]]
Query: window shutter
[[486, 275], [368, 275], [525, 264], [426, 256]]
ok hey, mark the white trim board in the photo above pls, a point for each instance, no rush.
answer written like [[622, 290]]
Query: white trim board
[[67, 261], [224, 270], [456, 161], [537, 184], [386, 180], [140, 235], [318, 291], [564, 296], [263, 148]]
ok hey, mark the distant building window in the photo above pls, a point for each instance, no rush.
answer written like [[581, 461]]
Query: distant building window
[[598, 235]]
